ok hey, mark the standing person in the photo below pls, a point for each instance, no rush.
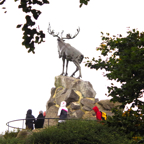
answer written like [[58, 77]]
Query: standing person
[[40, 120], [98, 113], [44, 113], [62, 112], [30, 120]]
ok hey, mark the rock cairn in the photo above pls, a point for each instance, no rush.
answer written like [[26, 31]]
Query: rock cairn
[[80, 98]]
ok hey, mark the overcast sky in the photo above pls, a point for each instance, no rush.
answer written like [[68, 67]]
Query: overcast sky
[[26, 79]]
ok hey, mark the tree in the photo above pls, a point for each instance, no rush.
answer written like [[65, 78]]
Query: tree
[[123, 60], [124, 63], [30, 34]]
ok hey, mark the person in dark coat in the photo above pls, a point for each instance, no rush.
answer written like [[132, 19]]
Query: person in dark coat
[[40, 120], [30, 120]]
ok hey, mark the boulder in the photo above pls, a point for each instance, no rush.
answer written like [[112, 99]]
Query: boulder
[[89, 115], [53, 91], [75, 106], [86, 108], [84, 87], [80, 97], [77, 114], [96, 100], [51, 102], [67, 95], [107, 105], [23, 134], [51, 113], [87, 103]]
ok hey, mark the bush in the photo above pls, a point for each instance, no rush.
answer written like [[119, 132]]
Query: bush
[[11, 141], [11, 134], [10, 138], [76, 132], [130, 122]]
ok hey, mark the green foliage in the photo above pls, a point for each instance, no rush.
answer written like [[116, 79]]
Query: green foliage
[[30, 35], [2, 2], [83, 2], [10, 138], [124, 60], [11, 134], [11, 141], [130, 122], [75, 132]]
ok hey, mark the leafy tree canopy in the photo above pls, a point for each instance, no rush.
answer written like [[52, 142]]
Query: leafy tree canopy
[[30, 34], [124, 63]]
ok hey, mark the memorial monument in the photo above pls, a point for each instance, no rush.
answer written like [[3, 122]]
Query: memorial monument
[[78, 94]]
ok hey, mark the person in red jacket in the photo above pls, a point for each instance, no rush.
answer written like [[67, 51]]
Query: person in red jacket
[[98, 113], [44, 113]]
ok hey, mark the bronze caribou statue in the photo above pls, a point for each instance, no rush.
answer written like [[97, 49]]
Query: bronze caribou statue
[[67, 52]]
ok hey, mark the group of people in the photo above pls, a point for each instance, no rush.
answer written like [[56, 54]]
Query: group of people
[[30, 120], [62, 113]]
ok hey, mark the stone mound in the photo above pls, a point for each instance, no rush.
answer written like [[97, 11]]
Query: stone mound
[[80, 98]]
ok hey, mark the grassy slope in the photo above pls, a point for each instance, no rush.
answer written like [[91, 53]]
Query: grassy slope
[[75, 132]]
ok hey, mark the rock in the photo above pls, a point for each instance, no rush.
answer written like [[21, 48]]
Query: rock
[[96, 100], [100, 107], [23, 134], [69, 114], [72, 97], [87, 103], [59, 89], [84, 87], [67, 95], [107, 105], [61, 95], [86, 108], [77, 114], [51, 102], [51, 113], [63, 81], [89, 115], [75, 106], [52, 91]]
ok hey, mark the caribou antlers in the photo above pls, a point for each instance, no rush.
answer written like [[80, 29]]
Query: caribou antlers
[[68, 36], [51, 32]]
